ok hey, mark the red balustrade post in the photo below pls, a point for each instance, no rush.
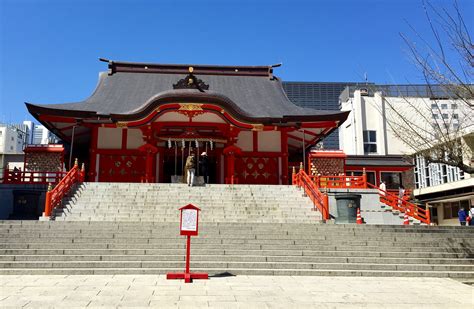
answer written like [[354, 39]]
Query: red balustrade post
[[82, 173], [47, 204], [364, 178], [428, 214], [293, 177], [325, 207]]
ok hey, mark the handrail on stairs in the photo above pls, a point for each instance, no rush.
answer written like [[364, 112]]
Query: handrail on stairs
[[319, 199], [55, 196], [403, 205], [340, 181]]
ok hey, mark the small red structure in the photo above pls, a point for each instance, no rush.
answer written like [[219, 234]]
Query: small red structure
[[188, 226]]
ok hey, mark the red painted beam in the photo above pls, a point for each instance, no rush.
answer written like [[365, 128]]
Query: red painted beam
[[322, 124], [56, 119]]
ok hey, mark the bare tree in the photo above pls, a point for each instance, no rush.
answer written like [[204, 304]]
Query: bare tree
[[438, 123]]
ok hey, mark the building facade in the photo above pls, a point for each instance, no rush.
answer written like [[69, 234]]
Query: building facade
[[369, 131], [144, 119], [15, 137], [320, 96]]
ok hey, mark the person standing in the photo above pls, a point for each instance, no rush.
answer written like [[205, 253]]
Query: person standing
[[205, 167], [383, 188], [401, 195], [471, 215], [462, 215], [191, 168]]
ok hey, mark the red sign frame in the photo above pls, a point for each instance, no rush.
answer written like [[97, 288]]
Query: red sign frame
[[186, 232]]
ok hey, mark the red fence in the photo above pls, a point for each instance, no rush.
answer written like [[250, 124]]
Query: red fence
[[312, 185], [341, 182], [27, 177], [55, 196], [319, 199], [403, 205]]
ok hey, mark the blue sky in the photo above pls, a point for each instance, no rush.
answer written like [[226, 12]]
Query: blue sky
[[49, 50]]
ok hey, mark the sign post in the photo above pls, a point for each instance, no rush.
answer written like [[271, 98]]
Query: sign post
[[188, 226]]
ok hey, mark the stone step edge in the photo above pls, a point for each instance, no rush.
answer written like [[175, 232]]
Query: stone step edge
[[242, 271]]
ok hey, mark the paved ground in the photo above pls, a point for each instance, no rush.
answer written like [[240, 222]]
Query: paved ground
[[232, 292]]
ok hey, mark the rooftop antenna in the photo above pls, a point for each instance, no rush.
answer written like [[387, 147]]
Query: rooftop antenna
[[366, 78]]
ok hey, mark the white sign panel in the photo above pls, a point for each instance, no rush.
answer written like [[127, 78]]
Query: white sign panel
[[189, 220]]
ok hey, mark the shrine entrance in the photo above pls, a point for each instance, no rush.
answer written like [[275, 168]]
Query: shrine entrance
[[175, 155]]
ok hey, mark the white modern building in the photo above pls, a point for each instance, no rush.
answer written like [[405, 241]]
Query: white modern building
[[12, 141], [371, 129], [14, 138]]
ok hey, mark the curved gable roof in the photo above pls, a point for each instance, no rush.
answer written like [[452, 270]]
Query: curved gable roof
[[130, 88]]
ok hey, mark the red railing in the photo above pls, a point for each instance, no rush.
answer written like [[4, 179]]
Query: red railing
[[341, 182], [26, 177], [320, 200], [403, 205], [55, 196]]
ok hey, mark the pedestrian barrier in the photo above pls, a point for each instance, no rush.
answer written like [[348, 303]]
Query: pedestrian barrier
[[406, 221], [403, 205], [359, 217], [340, 181], [54, 196], [12, 176], [319, 199]]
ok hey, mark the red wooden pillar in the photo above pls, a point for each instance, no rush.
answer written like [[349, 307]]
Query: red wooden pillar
[[230, 152], [93, 153], [150, 152], [284, 156]]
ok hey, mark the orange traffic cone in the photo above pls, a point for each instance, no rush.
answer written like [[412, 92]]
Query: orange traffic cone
[[405, 219], [359, 218]]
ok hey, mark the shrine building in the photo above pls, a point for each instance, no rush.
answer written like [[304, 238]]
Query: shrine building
[[143, 119]]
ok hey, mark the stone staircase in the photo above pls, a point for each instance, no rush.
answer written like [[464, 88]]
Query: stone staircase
[[160, 203], [112, 228], [92, 247]]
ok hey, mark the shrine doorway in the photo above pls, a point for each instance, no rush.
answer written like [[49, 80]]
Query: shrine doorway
[[174, 159]]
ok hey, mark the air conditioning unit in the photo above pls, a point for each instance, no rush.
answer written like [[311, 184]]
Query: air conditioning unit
[[364, 91]]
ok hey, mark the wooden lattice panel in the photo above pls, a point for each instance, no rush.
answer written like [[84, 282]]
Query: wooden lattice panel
[[251, 170], [327, 166], [118, 168], [43, 161]]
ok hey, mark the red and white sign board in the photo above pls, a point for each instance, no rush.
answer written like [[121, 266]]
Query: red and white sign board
[[188, 226], [189, 220]]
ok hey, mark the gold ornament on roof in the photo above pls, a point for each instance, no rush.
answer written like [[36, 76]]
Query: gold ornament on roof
[[257, 127], [190, 109]]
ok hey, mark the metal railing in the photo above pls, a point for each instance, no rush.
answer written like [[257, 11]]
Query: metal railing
[[55, 196]]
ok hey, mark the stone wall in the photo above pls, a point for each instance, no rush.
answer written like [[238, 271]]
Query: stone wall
[[7, 193]]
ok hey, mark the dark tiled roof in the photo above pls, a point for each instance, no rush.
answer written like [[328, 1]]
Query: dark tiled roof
[[129, 89], [388, 160]]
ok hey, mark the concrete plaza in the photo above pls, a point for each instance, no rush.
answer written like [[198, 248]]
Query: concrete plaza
[[46, 291]]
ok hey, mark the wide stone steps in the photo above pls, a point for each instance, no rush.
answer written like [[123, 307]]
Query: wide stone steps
[[129, 202], [233, 258], [222, 253], [248, 248]]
